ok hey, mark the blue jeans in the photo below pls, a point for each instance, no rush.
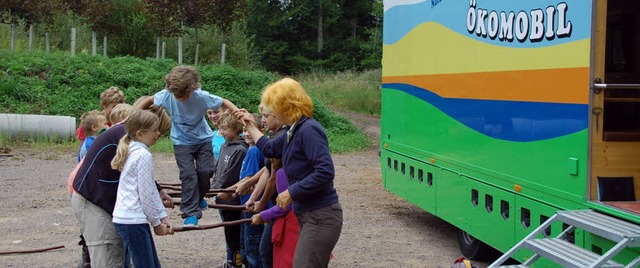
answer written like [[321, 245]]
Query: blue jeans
[[266, 246], [137, 244], [251, 236]]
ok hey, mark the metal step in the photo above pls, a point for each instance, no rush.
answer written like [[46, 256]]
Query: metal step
[[602, 225], [565, 253], [514, 266]]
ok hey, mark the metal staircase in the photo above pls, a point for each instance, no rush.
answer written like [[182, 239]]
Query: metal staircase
[[558, 250]]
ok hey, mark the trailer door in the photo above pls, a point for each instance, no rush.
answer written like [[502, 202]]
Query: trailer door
[[615, 106]]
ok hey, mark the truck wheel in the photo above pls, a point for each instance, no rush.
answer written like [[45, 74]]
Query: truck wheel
[[475, 249]]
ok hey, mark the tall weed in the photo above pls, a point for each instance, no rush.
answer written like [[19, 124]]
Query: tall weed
[[351, 91]]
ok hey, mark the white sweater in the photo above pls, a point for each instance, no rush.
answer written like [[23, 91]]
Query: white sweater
[[138, 200]]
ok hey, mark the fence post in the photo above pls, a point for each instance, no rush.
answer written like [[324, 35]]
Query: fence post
[[30, 36], [46, 42], [73, 42], [164, 48], [197, 53], [157, 48], [180, 50], [94, 44], [13, 37], [104, 46], [223, 55]]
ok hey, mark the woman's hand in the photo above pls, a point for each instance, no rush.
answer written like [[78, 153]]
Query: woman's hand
[[256, 219], [244, 116], [284, 199]]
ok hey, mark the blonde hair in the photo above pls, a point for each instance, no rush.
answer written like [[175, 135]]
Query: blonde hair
[[287, 99], [138, 120], [120, 113], [229, 121], [90, 119], [163, 117], [111, 95], [182, 80]]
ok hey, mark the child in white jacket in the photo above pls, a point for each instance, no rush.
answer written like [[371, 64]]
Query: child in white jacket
[[138, 202]]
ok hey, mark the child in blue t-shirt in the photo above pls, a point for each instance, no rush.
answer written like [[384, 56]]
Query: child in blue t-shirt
[[187, 104], [251, 234], [91, 122]]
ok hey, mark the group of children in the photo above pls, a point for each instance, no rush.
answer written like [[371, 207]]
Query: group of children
[[224, 158]]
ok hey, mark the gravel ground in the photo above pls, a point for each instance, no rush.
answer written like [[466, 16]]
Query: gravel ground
[[380, 230]]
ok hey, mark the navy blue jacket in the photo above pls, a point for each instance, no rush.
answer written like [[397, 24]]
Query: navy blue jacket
[[307, 162], [96, 181]]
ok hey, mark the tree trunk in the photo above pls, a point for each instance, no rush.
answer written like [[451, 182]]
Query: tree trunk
[[73, 42], [13, 36], [320, 34], [94, 43], [354, 26], [30, 37]]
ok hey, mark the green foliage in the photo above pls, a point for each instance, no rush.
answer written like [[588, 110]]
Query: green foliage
[[286, 34], [349, 91], [56, 84]]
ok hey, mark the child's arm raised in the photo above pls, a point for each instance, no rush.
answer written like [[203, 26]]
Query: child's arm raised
[[229, 105], [145, 103]]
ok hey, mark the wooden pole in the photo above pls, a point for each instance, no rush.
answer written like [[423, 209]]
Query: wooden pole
[[94, 43], [13, 37], [30, 37], [219, 206], [210, 226], [197, 53], [164, 48], [180, 50], [157, 48], [73, 42], [47, 46], [30, 250], [104, 46], [223, 55]]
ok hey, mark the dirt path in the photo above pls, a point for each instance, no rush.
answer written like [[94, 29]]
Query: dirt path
[[380, 230]]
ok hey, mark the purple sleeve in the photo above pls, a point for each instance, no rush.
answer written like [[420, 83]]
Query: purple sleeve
[[274, 213]]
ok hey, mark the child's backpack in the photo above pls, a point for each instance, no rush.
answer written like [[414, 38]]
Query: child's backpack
[[462, 263]]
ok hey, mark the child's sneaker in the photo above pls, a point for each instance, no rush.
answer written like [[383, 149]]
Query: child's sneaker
[[203, 204], [191, 222]]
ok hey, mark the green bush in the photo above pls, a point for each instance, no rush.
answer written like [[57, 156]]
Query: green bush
[[57, 84]]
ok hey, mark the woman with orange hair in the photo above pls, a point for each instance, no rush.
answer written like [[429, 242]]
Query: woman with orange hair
[[304, 151]]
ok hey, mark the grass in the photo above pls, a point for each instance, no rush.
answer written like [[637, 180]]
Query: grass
[[41, 144], [349, 91], [163, 145]]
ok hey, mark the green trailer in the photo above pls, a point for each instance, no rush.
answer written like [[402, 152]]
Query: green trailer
[[518, 122]]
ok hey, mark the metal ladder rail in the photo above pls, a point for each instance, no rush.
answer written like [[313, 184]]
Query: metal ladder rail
[[562, 235], [517, 247], [612, 252], [634, 263]]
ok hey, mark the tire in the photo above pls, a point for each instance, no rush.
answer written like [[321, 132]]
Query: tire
[[474, 249]]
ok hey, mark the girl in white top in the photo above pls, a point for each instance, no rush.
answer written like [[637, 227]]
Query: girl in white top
[[138, 202]]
